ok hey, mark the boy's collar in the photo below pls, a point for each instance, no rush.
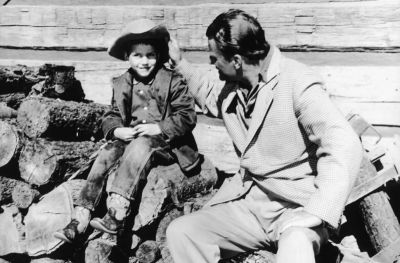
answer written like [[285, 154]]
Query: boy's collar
[[134, 81]]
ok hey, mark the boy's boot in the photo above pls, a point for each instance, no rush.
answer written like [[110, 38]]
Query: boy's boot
[[76, 227], [118, 210]]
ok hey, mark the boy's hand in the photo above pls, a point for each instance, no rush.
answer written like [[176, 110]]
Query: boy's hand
[[125, 133], [150, 129], [174, 51]]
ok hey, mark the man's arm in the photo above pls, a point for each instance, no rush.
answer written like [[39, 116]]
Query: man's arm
[[203, 83], [339, 152]]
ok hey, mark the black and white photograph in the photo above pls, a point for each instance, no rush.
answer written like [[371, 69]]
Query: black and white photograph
[[188, 131]]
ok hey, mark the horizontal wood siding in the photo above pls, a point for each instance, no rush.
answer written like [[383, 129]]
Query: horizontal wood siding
[[339, 26]]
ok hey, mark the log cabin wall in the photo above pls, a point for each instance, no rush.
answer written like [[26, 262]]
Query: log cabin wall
[[354, 45]]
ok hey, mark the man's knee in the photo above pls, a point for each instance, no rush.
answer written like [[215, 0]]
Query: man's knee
[[305, 236], [179, 229]]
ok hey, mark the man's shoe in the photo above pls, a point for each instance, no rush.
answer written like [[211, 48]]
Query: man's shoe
[[68, 233], [108, 224]]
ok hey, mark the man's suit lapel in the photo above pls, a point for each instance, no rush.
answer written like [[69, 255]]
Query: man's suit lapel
[[230, 118], [270, 73], [261, 108]]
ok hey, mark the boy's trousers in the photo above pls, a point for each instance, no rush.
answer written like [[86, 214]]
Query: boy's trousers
[[138, 157]]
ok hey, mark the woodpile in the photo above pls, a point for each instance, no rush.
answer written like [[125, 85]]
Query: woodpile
[[49, 141], [49, 138]]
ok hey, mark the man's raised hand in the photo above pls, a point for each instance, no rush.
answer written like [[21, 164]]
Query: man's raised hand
[[175, 54]]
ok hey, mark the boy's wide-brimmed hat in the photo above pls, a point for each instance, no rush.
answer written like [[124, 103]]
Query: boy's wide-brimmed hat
[[141, 29]]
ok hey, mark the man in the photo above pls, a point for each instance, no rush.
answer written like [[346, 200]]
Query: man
[[298, 155]]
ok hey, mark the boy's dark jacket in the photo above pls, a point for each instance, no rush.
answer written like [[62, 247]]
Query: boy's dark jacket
[[174, 103]]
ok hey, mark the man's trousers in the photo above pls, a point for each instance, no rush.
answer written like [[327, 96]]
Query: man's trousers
[[227, 229]]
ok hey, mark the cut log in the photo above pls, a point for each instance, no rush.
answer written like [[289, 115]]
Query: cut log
[[12, 232], [18, 78], [7, 186], [7, 112], [60, 83], [13, 100], [161, 236], [75, 187], [23, 195], [104, 250], [66, 120], [148, 252], [166, 183], [42, 161], [11, 141], [48, 260], [380, 221]]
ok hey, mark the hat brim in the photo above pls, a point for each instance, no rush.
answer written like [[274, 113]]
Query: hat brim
[[119, 46]]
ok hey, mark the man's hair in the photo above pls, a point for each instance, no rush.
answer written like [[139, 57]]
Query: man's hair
[[236, 32]]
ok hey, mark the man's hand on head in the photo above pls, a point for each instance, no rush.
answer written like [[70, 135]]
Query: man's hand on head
[[175, 54], [295, 218]]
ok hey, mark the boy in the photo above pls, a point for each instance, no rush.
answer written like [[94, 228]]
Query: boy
[[150, 123]]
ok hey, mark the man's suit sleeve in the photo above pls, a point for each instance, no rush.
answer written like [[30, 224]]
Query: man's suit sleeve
[[339, 150], [204, 85]]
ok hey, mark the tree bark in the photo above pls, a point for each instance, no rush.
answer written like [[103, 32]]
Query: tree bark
[[104, 250], [380, 221], [6, 187], [65, 120], [60, 83], [23, 195], [18, 78], [166, 184], [161, 236], [148, 252], [11, 141], [42, 161], [13, 100]]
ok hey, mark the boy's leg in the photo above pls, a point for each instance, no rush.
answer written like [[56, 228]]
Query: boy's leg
[[139, 157], [92, 191]]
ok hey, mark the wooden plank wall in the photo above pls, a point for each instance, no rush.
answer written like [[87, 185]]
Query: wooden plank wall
[[356, 25], [354, 45]]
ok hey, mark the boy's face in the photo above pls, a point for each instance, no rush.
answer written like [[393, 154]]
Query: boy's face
[[142, 59]]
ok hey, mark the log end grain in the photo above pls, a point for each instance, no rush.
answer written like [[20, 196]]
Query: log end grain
[[33, 117], [37, 163], [9, 142]]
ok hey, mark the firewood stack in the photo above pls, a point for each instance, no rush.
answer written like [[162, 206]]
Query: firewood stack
[[49, 138]]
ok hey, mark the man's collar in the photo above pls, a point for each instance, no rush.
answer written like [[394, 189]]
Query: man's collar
[[270, 66]]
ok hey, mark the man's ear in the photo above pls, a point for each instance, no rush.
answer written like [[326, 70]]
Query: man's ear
[[237, 61]]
